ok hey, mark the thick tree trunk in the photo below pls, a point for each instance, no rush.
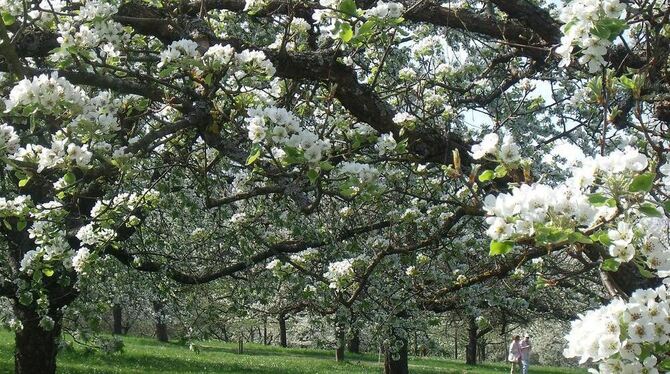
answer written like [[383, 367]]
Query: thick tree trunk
[[265, 331], [161, 327], [35, 350], [399, 366], [282, 331], [354, 344], [117, 328], [471, 349]]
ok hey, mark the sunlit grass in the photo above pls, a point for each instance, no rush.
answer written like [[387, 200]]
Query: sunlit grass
[[144, 355]]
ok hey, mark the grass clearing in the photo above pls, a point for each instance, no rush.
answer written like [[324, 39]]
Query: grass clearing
[[145, 355]]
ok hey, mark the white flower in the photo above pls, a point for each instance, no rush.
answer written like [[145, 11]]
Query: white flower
[[385, 143], [487, 146], [179, 49], [79, 260]]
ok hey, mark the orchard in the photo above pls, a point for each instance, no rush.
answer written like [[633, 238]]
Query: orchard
[[375, 169]]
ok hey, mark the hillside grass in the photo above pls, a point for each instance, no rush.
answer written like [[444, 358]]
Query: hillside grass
[[145, 355]]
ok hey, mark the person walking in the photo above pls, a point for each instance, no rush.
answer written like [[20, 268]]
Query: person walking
[[514, 355], [525, 347]]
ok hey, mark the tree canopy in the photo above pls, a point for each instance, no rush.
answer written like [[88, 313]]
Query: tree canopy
[[351, 157]]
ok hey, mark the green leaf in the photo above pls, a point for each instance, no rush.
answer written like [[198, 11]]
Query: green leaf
[[8, 19], [642, 183], [21, 224], [48, 272], [650, 210], [665, 365], [366, 28], [486, 175], [69, 178], [605, 239], [500, 171], [597, 199], [254, 155], [500, 248], [24, 181], [580, 238], [326, 166], [208, 79], [644, 272], [348, 7], [346, 33], [610, 265], [626, 82], [312, 175], [666, 206]]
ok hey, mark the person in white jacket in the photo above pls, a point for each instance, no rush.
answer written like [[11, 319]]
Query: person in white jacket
[[514, 355], [525, 347]]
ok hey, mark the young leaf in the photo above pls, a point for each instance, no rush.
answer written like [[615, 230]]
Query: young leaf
[[499, 248], [486, 175], [650, 210], [254, 155], [642, 183], [597, 199], [610, 265], [348, 7]]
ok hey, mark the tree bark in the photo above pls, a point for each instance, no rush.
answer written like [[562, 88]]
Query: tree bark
[[117, 328], [354, 344], [265, 331], [471, 349], [35, 348], [161, 327], [282, 331], [455, 343], [399, 366], [339, 333], [240, 345]]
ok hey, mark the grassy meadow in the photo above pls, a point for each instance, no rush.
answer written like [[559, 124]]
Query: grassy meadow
[[145, 355]]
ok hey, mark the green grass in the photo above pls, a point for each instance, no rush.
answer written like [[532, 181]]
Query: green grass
[[143, 355]]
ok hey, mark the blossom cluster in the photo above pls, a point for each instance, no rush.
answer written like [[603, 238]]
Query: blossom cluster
[[589, 25], [363, 172], [92, 27], [50, 94], [507, 152], [17, 206], [623, 337], [9, 141], [279, 127], [516, 214], [341, 273], [217, 57], [385, 10]]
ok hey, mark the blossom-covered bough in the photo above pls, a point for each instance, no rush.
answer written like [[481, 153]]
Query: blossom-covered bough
[[200, 139]]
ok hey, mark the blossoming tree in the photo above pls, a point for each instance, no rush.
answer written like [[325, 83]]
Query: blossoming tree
[[367, 133]]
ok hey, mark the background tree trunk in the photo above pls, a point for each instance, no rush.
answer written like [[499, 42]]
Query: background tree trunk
[[339, 334], [471, 349], [456, 343], [161, 327], [36, 349], [354, 344], [117, 328], [282, 331], [399, 366]]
